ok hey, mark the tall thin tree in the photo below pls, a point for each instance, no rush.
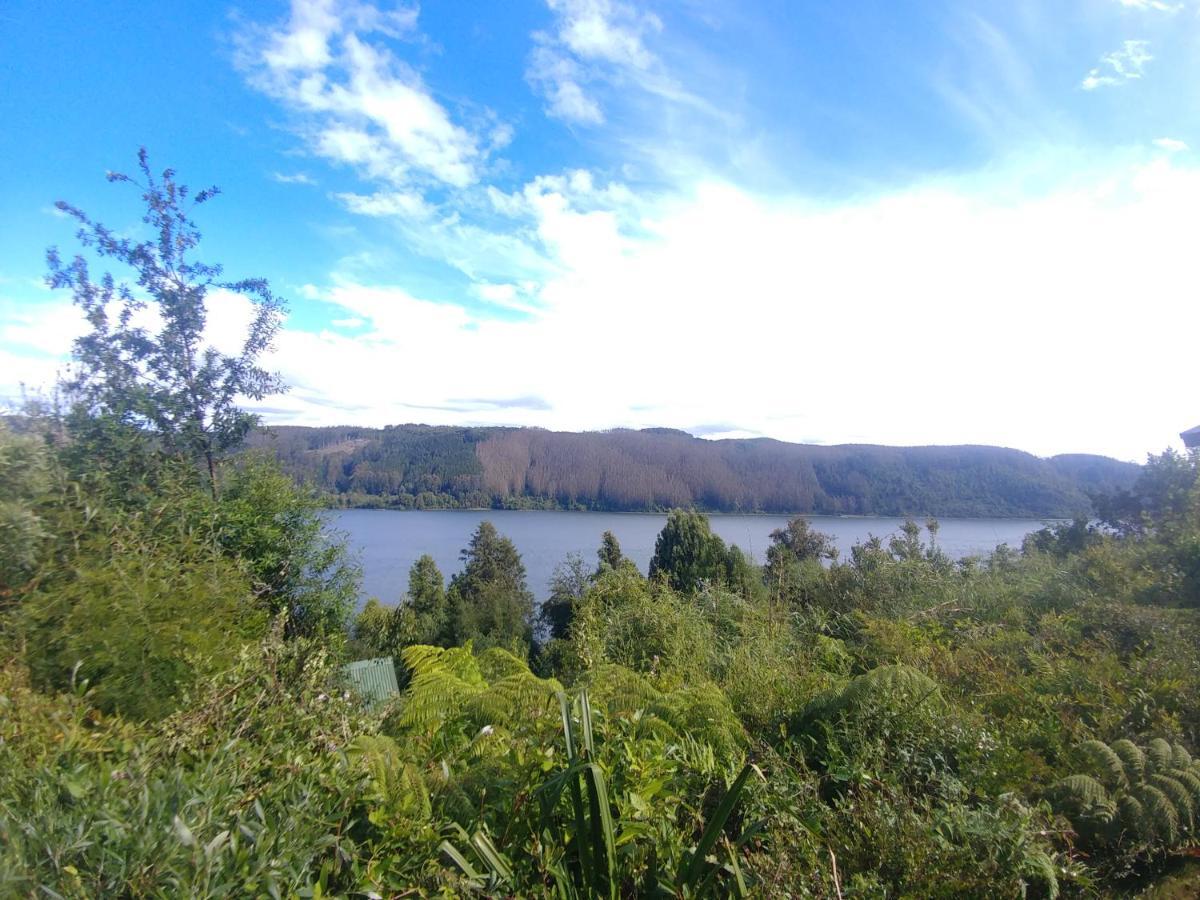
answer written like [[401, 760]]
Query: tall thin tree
[[146, 360]]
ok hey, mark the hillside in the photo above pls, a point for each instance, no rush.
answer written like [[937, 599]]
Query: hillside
[[421, 466]]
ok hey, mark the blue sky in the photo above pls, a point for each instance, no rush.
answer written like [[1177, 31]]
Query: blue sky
[[907, 223]]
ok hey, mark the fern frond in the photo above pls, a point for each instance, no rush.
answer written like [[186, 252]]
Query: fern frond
[[622, 691], [890, 682], [1159, 756], [443, 680], [704, 713], [496, 663], [1105, 762], [1180, 758], [1159, 813], [1133, 819], [1190, 780], [397, 784], [1078, 794], [1133, 759], [1180, 798], [515, 699], [1038, 866], [489, 741]]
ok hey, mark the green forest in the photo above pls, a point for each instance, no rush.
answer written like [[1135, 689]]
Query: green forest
[[657, 469], [874, 721]]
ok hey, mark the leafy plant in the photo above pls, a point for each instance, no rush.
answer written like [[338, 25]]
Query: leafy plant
[[1131, 799]]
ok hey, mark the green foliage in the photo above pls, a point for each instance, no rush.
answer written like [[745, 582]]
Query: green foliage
[[568, 583], [609, 554], [687, 554], [163, 377], [137, 613], [887, 725], [426, 601], [489, 601], [421, 618], [297, 566], [1143, 801], [373, 632], [244, 792], [24, 478], [799, 541]]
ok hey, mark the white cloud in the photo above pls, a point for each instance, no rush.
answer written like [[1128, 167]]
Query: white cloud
[[605, 30], [408, 204], [507, 296], [36, 337], [558, 77], [1171, 145], [358, 103], [294, 178], [1151, 5], [1120, 66], [46, 328], [592, 40]]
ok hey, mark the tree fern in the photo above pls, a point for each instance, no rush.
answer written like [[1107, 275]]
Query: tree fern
[[1040, 867], [1159, 756], [1160, 813], [495, 663], [1086, 803], [1180, 758], [442, 681], [519, 697], [398, 786], [1132, 818], [703, 712], [890, 682], [622, 691], [1105, 762], [1180, 798], [1132, 758], [1145, 798], [1190, 780], [895, 686]]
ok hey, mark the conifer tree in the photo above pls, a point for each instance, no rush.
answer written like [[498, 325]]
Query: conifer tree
[[489, 601]]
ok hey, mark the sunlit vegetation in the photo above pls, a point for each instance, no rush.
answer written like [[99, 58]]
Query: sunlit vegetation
[[426, 467], [876, 722]]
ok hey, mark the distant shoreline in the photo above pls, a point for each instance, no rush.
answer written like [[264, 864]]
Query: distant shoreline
[[920, 518]]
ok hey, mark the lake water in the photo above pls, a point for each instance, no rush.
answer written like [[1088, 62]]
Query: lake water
[[390, 541]]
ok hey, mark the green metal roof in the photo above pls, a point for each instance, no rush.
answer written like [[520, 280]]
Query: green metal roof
[[374, 679]]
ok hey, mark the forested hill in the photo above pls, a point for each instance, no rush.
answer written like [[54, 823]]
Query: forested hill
[[420, 466]]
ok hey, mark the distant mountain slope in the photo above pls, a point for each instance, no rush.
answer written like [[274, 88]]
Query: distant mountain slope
[[425, 466]]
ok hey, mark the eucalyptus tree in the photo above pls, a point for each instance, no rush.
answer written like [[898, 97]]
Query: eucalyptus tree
[[146, 361]]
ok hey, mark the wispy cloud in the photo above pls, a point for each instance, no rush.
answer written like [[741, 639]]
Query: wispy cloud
[[356, 102], [1151, 5], [990, 81], [592, 42], [1171, 145], [1120, 66], [408, 204], [295, 178]]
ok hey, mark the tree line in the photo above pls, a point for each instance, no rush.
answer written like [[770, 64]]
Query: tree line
[[427, 467]]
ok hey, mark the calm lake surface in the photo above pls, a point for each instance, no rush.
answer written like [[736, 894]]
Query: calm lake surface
[[390, 541]]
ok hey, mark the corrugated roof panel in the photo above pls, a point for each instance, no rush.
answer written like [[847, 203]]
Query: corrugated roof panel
[[374, 679]]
